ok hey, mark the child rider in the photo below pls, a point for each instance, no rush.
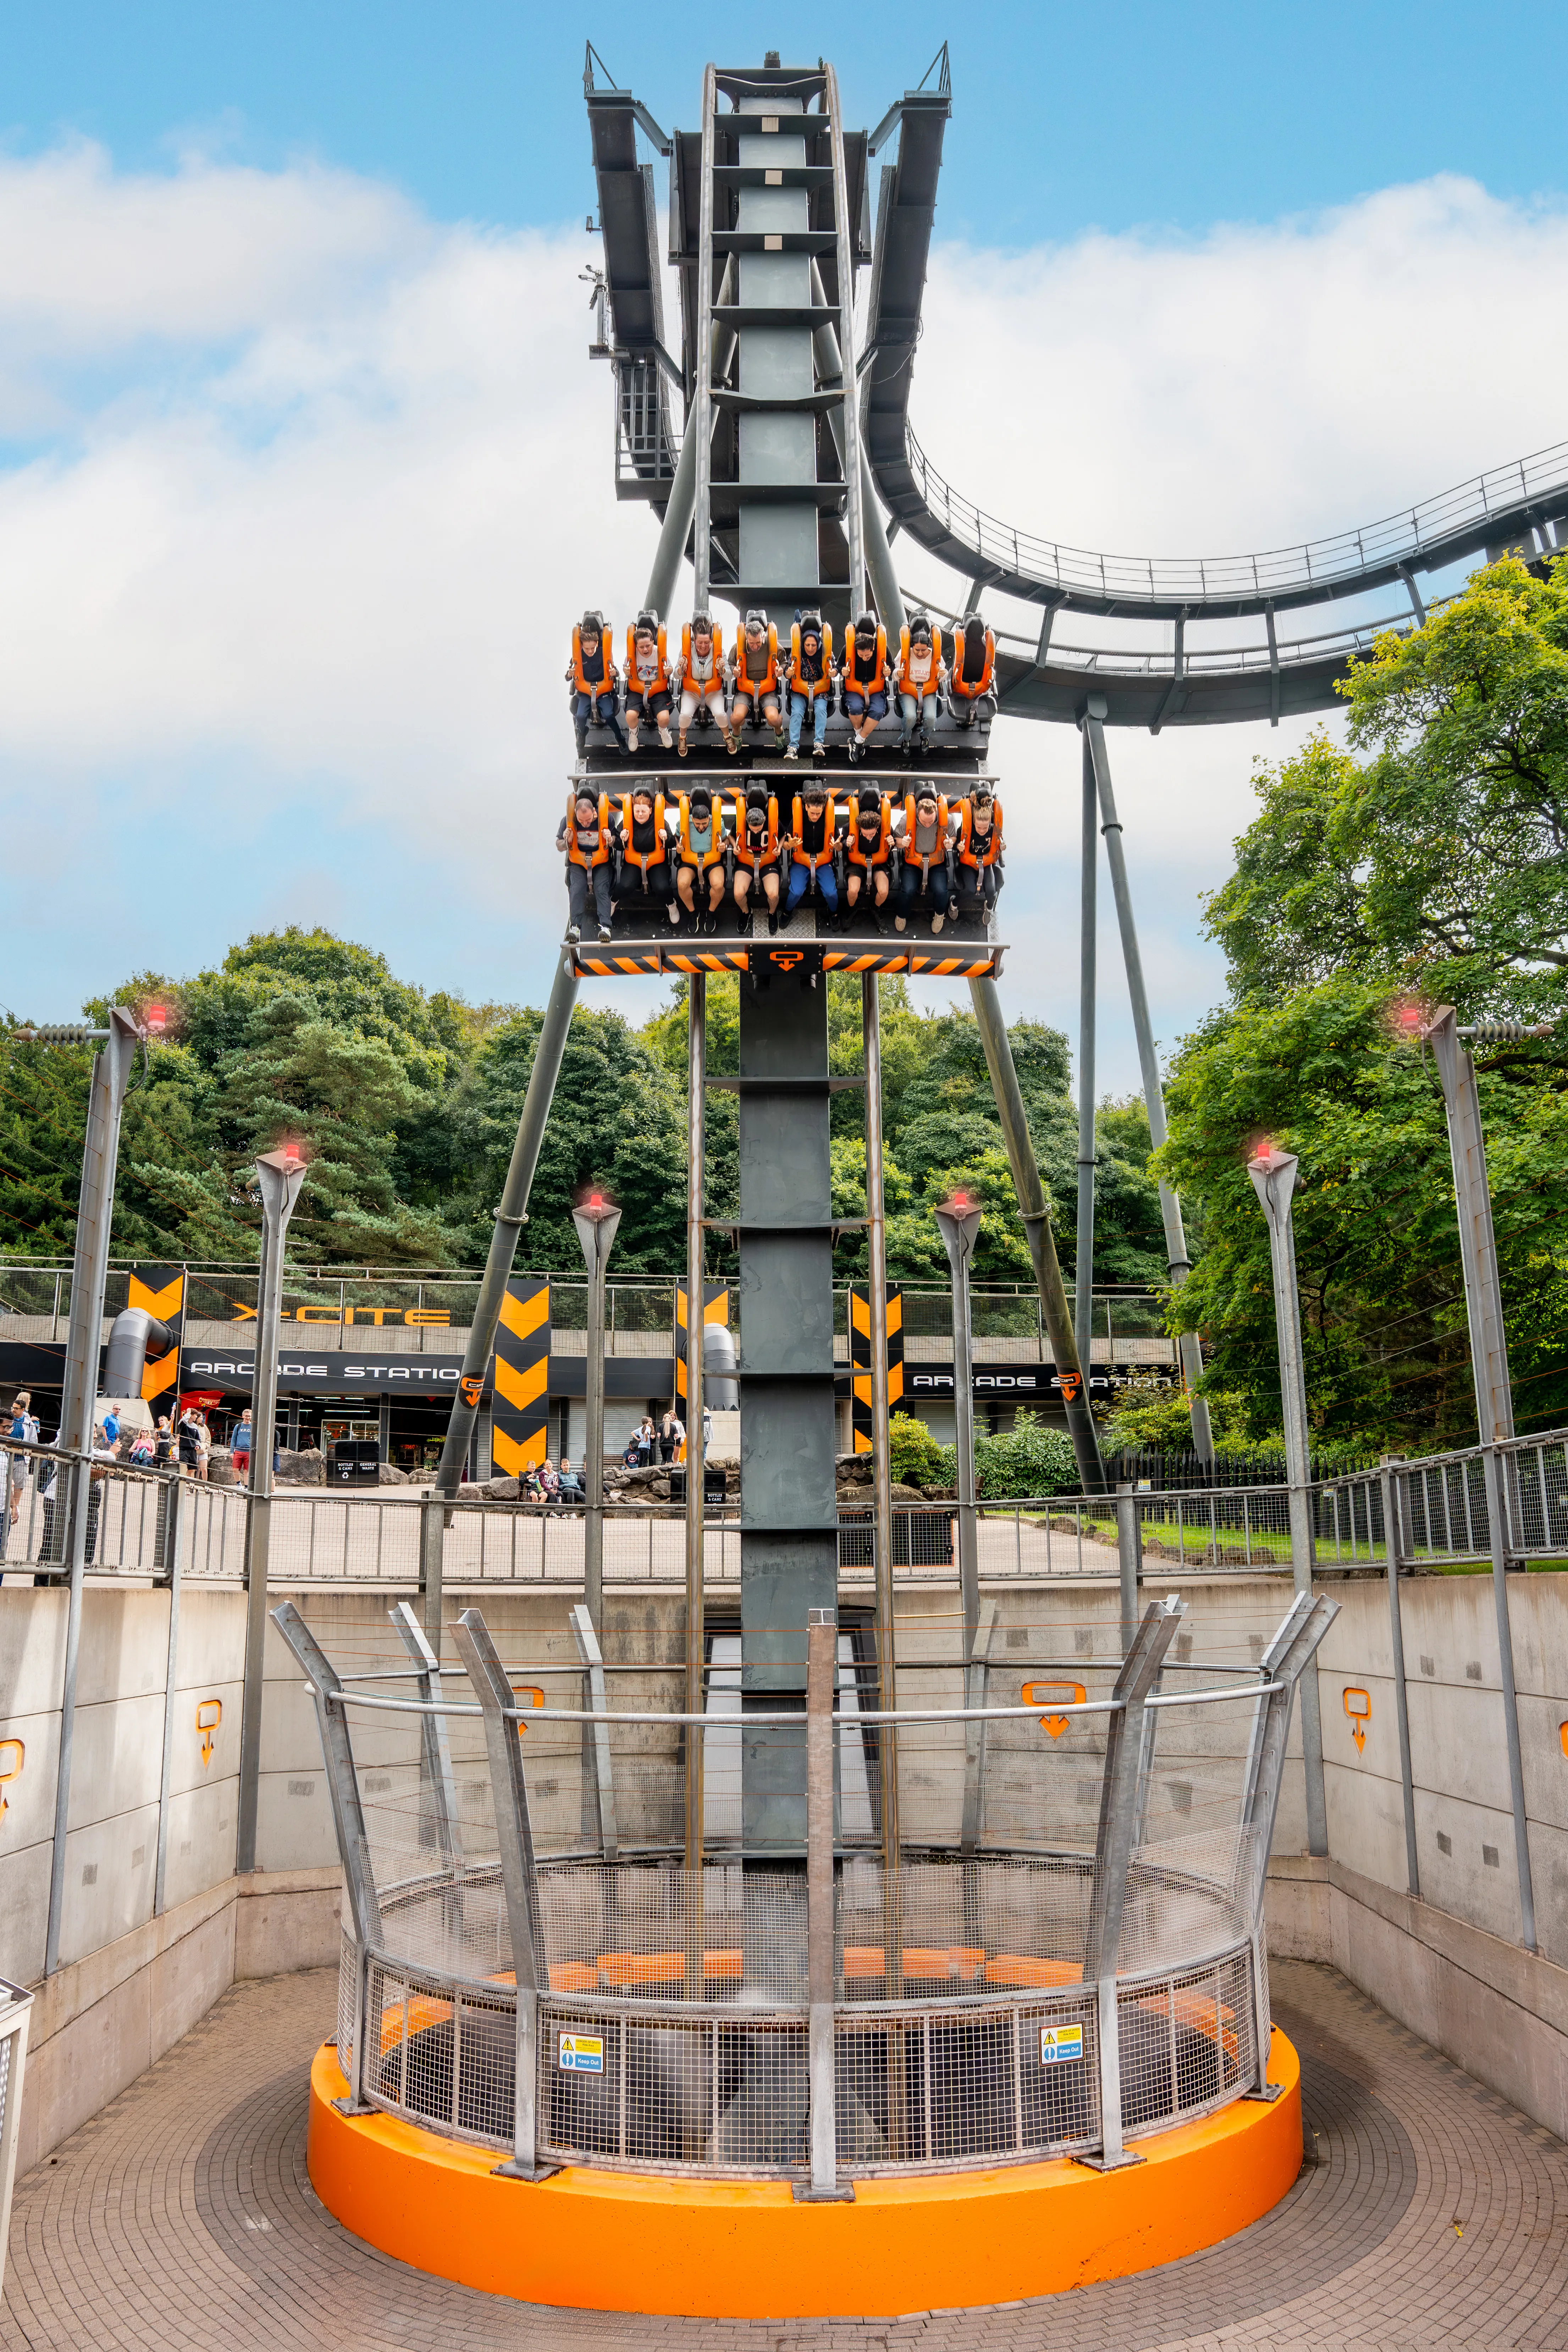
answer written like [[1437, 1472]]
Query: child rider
[[592, 680], [647, 680], [757, 851], [701, 859], [587, 839]]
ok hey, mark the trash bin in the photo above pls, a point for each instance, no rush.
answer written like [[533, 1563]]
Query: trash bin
[[356, 1462], [713, 1486]]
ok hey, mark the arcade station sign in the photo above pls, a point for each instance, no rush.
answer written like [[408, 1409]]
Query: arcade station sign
[[330, 1373], [1024, 1383]]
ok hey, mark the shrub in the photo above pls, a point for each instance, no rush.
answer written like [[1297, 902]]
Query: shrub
[[917, 1459], [1027, 1459]]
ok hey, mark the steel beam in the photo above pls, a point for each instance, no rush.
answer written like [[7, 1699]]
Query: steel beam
[[1093, 723], [1273, 1175], [696, 1454], [79, 1402], [1087, 917], [511, 1217], [1036, 1219]]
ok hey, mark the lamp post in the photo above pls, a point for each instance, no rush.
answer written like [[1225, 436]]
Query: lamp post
[[958, 1217], [1273, 1175], [597, 1220], [280, 1175]]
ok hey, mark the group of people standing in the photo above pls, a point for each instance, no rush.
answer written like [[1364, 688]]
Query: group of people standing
[[759, 684], [691, 856], [661, 1441]]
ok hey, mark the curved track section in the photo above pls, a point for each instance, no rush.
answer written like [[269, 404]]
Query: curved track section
[[1522, 504], [183, 2215]]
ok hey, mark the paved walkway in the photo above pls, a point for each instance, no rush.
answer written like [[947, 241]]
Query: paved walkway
[[1432, 2215]]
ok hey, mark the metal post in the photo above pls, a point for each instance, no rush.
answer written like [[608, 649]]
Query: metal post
[[598, 1221], [1283, 1666], [509, 1219], [1113, 1849], [173, 1532], [514, 1837], [348, 1819], [976, 1679], [280, 1175], [1492, 1470], [699, 419], [1273, 1175], [881, 1481], [1091, 719], [1083, 1264], [90, 1275], [821, 1666], [593, 1658], [676, 528], [1388, 1480], [696, 1456], [1037, 1221], [1478, 1241], [1129, 1560], [436, 1748], [879, 553], [958, 1219]]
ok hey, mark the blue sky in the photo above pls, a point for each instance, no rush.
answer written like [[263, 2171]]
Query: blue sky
[[1068, 117], [303, 466]]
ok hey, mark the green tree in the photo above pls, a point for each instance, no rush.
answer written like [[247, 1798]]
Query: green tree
[[1439, 859]]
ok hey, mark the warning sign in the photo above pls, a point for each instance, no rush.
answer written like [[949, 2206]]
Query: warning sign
[[582, 2054], [1058, 2044]]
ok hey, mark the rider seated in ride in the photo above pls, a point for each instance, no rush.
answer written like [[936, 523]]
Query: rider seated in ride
[[864, 675], [920, 678], [702, 679], [592, 675], [648, 679], [646, 884], [924, 836], [702, 862], [811, 840], [757, 676], [586, 838], [870, 862], [757, 851], [977, 852], [969, 677], [811, 676]]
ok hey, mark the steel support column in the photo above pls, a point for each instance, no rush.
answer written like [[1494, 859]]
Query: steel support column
[[696, 1451], [511, 1217], [881, 1476], [1393, 1530], [1088, 918], [280, 1175], [520, 1886], [78, 1400], [1091, 719], [1273, 1175], [1036, 1219], [1113, 1849], [821, 1669]]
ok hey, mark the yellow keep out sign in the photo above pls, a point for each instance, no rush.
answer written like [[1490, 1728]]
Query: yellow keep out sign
[[582, 2054], [1060, 2043]]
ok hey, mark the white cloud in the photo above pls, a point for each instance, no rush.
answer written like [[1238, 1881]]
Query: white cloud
[[304, 489]]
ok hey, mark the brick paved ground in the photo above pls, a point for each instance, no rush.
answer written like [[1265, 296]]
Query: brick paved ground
[[1434, 2215]]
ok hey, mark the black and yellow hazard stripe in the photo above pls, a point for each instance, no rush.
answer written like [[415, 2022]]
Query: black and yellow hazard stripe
[[519, 1436], [860, 1362], [715, 1310], [160, 1290]]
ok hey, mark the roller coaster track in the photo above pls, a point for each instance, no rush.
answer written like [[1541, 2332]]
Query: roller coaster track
[[1524, 505], [1189, 681]]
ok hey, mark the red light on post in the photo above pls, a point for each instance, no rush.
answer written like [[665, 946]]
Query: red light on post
[[291, 1151], [156, 1019]]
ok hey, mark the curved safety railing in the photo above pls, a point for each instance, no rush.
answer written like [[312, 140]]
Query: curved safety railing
[[1067, 1954]]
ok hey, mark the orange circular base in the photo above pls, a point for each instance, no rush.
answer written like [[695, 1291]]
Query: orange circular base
[[744, 2249]]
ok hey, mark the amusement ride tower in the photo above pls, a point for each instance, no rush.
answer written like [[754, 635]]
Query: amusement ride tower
[[1012, 2031]]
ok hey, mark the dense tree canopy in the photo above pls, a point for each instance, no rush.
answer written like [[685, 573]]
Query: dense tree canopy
[[408, 1107], [1427, 862]]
